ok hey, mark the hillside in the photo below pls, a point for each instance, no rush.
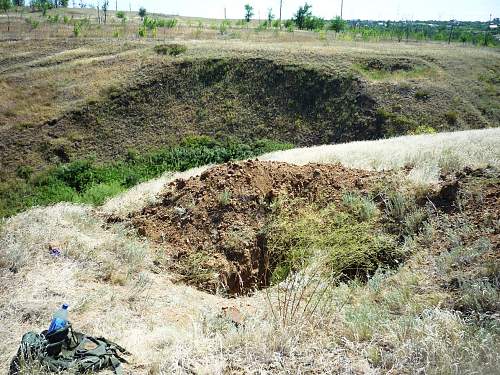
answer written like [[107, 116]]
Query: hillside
[[88, 99], [75, 95]]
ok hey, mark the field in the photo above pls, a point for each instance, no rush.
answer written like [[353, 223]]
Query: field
[[249, 200]]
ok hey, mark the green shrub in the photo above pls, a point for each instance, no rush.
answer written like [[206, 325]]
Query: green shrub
[[451, 117], [223, 27], [423, 129], [33, 23], [87, 181], [225, 198], [362, 208], [422, 95], [172, 49], [120, 14], [97, 194], [53, 18], [77, 29], [142, 32], [341, 242], [24, 172], [170, 23]]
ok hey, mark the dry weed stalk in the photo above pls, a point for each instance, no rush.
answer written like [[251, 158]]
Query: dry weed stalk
[[300, 296]]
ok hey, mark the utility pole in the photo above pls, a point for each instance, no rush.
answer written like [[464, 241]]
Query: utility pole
[[341, 9], [281, 5], [116, 9], [225, 14]]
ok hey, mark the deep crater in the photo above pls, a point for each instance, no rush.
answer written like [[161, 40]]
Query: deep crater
[[243, 98]]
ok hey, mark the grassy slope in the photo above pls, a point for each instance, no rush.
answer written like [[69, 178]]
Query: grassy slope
[[42, 80], [402, 320]]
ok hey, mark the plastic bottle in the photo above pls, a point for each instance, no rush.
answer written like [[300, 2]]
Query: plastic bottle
[[60, 319]]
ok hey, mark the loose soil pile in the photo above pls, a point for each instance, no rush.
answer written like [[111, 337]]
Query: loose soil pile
[[211, 226]]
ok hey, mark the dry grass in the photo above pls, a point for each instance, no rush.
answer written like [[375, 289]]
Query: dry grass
[[427, 155], [144, 194]]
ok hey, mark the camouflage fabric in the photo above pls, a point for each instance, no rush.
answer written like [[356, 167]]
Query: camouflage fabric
[[68, 350]]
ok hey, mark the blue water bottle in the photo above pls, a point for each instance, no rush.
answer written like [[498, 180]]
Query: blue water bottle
[[60, 319]]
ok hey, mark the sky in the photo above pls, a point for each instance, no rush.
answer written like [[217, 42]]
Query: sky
[[353, 9]]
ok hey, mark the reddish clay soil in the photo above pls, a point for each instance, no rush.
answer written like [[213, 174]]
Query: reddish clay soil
[[211, 225]]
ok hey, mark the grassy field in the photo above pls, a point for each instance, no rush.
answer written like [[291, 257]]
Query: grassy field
[[397, 276]]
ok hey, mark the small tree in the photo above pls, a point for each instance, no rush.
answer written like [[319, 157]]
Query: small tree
[[105, 6], [5, 6], [270, 16], [248, 12], [338, 24], [142, 12], [300, 18], [121, 15]]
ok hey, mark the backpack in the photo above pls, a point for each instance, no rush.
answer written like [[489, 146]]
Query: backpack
[[67, 349]]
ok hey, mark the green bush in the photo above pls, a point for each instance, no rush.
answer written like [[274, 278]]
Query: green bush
[[423, 129], [343, 243], [33, 23], [170, 23], [24, 172], [97, 194], [143, 32], [77, 29], [422, 95], [172, 49], [361, 207], [89, 182], [451, 117], [53, 18]]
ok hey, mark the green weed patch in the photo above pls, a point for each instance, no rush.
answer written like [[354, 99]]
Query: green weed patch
[[85, 181], [338, 241]]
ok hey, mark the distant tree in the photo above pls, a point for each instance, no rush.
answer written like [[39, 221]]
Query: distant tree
[[5, 6], [105, 7], [64, 3], [248, 12], [338, 24], [18, 3], [121, 15], [270, 16], [142, 12], [82, 4], [303, 13]]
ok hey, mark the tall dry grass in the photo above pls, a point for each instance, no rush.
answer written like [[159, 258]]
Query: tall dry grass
[[427, 155]]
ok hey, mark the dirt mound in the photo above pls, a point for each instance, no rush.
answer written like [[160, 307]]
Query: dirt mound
[[211, 225]]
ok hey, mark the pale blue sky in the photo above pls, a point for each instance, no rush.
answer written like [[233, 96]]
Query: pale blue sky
[[353, 9]]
